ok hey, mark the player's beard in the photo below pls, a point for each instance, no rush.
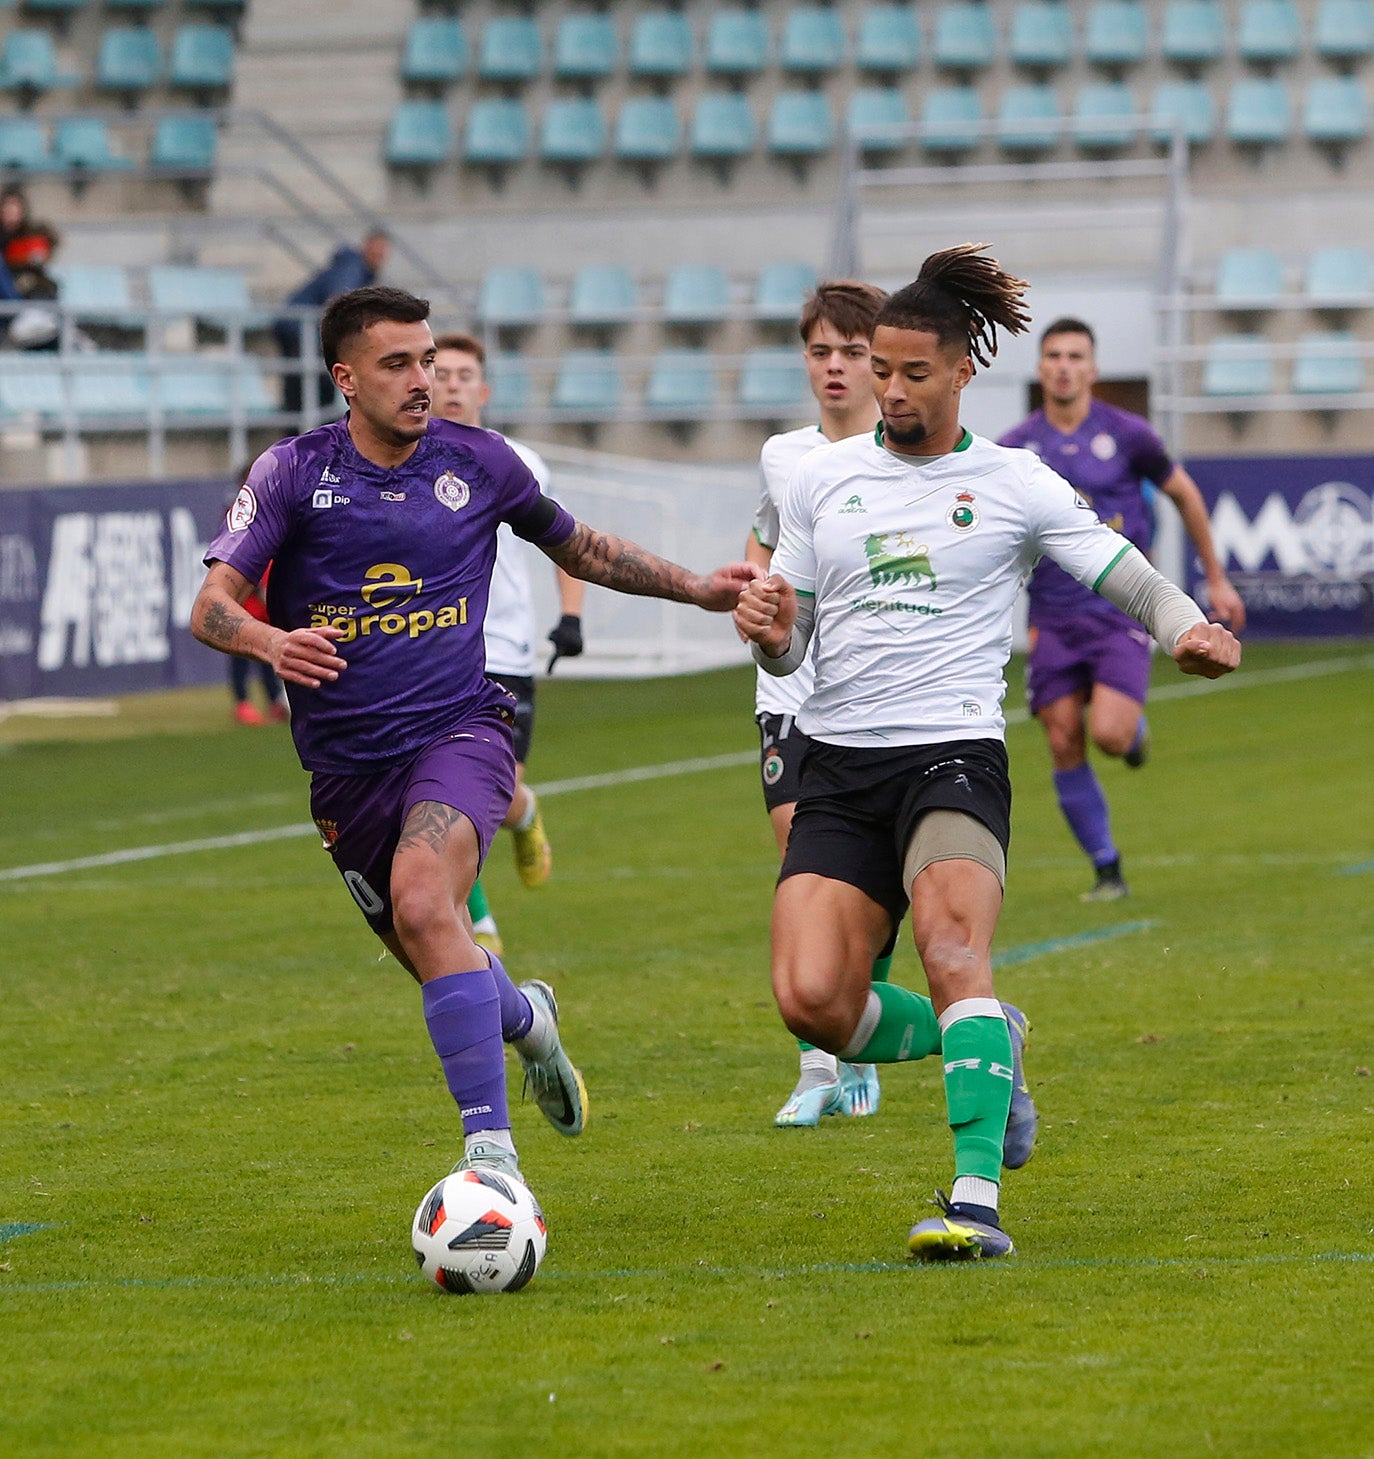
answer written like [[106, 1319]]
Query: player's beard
[[913, 435]]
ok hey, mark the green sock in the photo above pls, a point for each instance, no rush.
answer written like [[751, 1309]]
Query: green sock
[[978, 1093], [881, 970], [477, 902], [906, 1028]]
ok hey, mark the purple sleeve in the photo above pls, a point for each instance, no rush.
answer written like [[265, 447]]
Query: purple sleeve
[[532, 515], [258, 520], [1015, 437], [1148, 456]]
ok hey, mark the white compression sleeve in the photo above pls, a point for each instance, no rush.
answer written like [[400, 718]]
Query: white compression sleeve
[[1138, 588], [791, 661]]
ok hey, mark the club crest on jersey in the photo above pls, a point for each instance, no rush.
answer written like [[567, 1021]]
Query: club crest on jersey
[[452, 491], [772, 768], [963, 515], [1103, 446], [243, 511], [903, 564]]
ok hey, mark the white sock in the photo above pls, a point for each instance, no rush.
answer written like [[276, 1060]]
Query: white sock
[[485, 924], [489, 1137], [973, 1190], [868, 1021], [817, 1067], [531, 810], [539, 1041]]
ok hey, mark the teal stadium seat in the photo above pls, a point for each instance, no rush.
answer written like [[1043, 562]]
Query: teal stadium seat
[[878, 119], [23, 145], [1338, 277], [183, 144], [800, 124], [511, 390], [781, 290], [1117, 33], [96, 291], [1102, 116], [964, 37], [111, 385], [573, 131], [28, 65], [602, 294], [129, 61], [889, 40], [497, 132], [420, 135], [1336, 110], [1194, 32], [1041, 35], [681, 381], [647, 130], [1260, 112], [31, 385], [213, 295], [511, 297], [585, 47], [83, 145], [773, 379], [202, 58], [723, 126], [1027, 120], [1328, 364], [436, 51], [737, 43], [696, 294], [588, 384], [1188, 103], [1344, 30], [950, 120], [1249, 278], [511, 49], [813, 42], [1238, 364], [1269, 31], [204, 385], [661, 44]]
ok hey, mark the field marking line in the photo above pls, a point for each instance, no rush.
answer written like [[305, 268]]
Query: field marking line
[[1014, 956], [635, 774], [9, 1231], [1358, 869]]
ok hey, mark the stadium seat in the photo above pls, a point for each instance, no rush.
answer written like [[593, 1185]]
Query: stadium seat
[[681, 380], [1344, 30], [1336, 110], [213, 295], [94, 290], [1339, 276], [1102, 116], [1260, 112], [737, 43], [1041, 34], [696, 294], [800, 124], [602, 294], [28, 64], [588, 383], [497, 132], [1194, 31], [950, 119], [573, 130], [511, 49], [585, 46], [813, 41], [510, 297], [1269, 31], [723, 126], [1027, 119], [1238, 364], [1328, 364], [1188, 103], [781, 290], [1249, 278], [23, 145], [509, 378], [773, 379], [110, 385], [436, 50], [1116, 33], [661, 44], [889, 40], [878, 119], [83, 144], [202, 58], [129, 61], [31, 385], [209, 385], [964, 37], [420, 135], [647, 130], [184, 144]]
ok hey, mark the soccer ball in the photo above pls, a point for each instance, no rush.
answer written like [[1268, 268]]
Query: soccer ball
[[478, 1231]]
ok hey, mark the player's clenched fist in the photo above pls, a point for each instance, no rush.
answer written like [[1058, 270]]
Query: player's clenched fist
[[1207, 649], [766, 613], [307, 656]]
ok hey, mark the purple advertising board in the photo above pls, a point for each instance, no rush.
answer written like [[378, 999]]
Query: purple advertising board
[[96, 587], [1296, 537]]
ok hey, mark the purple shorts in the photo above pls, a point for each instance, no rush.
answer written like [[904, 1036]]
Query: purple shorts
[[1072, 657], [360, 816]]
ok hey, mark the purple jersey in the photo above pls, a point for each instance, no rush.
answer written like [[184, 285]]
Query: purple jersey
[[1104, 460], [399, 560]]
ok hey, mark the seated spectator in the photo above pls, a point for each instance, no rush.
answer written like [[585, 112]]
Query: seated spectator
[[26, 246]]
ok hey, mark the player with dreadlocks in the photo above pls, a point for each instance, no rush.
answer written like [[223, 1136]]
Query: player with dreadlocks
[[902, 552]]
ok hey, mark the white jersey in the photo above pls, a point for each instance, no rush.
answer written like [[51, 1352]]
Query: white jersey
[[915, 564], [509, 629]]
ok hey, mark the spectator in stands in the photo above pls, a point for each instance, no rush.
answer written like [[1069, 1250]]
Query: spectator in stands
[[350, 268], [27, 246]]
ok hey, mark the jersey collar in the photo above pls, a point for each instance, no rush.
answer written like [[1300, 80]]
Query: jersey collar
[[965, 441]]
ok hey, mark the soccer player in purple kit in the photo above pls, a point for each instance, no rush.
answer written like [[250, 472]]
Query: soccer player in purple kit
[[381, 529], [1089, 666]]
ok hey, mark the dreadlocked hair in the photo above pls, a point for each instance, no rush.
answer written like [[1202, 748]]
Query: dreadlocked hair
[[961, 296]]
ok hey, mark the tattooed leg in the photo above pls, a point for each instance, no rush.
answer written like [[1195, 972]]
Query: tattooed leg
[[432, 872]]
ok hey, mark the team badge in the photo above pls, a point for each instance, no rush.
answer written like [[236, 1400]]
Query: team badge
[[963, 515], [452, 491], [244, 509], [772, 768], [1103, 446], [329, 833]]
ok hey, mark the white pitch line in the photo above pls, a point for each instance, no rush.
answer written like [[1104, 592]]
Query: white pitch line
[[1314, 669]]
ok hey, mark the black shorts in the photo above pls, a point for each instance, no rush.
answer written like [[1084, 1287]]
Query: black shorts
[[782, 748], [522, 731], [858, 809]]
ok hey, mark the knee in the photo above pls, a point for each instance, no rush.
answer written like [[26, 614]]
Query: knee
[[817, 1014], [955, 967], [1067, 745], [1112, 740], [419, 907]]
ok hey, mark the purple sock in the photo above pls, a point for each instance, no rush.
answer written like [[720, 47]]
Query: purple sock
[[1085, 809], [516, 1013], [1140, 729], [463, 1011]]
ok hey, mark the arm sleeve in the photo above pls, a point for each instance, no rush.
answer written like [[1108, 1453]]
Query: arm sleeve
[[1150, 598], [794, 558], [532, 515], [1063, 526], [766, 524], [258, 520], [1148, 456], [802, 630]]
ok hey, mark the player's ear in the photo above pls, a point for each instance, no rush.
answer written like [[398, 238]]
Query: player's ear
[[964, 372], [343, 378]]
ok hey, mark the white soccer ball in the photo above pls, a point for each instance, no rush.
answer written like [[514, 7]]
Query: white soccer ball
[[478, 1231]]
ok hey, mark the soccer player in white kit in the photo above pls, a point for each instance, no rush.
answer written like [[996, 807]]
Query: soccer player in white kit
[[901, 554], [460, 394]]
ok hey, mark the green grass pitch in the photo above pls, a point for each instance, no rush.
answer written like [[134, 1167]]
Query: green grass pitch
[[218, 1112]]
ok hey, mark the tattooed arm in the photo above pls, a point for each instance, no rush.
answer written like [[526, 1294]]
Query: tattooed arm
[[614, 562]]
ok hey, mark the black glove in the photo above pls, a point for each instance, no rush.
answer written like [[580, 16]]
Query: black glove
[[566, 639]]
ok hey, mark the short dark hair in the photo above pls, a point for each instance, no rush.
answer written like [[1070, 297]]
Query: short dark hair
[[1068, 325], [961, 296], [465, 344], [348, 315], [849, 306]]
